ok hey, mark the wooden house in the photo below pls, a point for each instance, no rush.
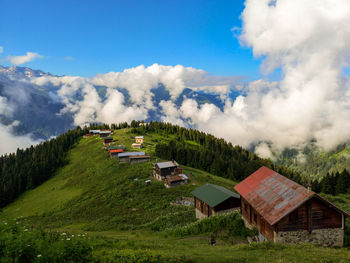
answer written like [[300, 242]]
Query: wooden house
[[107, 140], [136, 145], [284, 211], [125, 156], [105, 133], [116, 147], [165, 169], [175, 180], [139, 159], [114, 153], [211, 199], [139, 139]]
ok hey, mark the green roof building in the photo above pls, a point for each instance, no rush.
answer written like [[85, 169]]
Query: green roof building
[[211, 199]]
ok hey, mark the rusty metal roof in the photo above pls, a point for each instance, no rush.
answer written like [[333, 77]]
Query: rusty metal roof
[[272, 195]]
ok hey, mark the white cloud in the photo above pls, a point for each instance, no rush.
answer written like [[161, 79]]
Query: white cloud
[[19, 60], [1, 49], [68, 58], [307, 40], [10, 143]]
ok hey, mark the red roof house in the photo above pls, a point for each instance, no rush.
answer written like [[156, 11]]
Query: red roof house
[[284, 211]]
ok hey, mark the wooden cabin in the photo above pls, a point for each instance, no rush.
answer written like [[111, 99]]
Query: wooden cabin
[[105, 133], [125, 156], [211, 199], [139, 139], [114, 153], [139, 159], [175, 180], [165, 169], [136, 145], [107, 140], [116, 147], [286, 212]]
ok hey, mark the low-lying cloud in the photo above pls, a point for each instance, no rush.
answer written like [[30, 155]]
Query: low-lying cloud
[[307, 40]]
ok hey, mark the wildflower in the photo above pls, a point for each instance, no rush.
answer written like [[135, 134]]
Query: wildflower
[[63, 234], [72, 235], [38, 256], [25, 230], [68, 238]]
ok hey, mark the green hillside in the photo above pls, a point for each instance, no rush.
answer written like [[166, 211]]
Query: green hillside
[[314, 163], [124, 218]]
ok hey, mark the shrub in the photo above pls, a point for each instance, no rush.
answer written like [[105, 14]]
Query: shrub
[[232, 222], [20, 244]]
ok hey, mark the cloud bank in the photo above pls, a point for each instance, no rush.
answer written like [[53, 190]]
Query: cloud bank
[[307, 40], [19, 60]]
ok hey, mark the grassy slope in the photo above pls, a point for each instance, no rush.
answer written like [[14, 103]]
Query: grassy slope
[[95, 194]]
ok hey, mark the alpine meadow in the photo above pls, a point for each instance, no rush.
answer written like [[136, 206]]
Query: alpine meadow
[[175, 131]]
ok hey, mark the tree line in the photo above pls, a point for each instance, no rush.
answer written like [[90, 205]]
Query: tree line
[[213, 155], [26, 169], [333, 183]]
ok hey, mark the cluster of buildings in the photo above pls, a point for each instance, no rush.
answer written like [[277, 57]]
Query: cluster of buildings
[[279, 208]]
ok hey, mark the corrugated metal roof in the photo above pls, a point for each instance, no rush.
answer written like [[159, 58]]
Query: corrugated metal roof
[[130, 154], [213, 194], [167, 164], [94, 131], [272, 195], [107, 138], [116, 151], [139, 137]]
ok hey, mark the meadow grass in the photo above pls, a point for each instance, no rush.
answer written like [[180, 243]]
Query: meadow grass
[[110, 202]]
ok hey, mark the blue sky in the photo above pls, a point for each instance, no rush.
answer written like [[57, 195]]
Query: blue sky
[[103, 36]]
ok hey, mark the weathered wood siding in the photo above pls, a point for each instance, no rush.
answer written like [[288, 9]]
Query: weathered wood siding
[[314, 214], [256, 220]]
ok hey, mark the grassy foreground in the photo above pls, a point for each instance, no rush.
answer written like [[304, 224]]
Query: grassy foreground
[[127, 221]]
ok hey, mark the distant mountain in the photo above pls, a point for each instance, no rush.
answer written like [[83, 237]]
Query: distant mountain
[[37, 109], [33, 108], [315, 163]]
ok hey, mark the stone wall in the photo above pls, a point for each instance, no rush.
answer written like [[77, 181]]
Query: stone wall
[[326, 237], [199, 214]]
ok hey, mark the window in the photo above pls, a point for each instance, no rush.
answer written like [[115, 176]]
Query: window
[[255, 217]]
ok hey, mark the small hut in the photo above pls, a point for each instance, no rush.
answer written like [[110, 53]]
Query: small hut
[[136, 145], [107, 140], [166, 169], [211, 199], [139, 139], [125, 156]]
